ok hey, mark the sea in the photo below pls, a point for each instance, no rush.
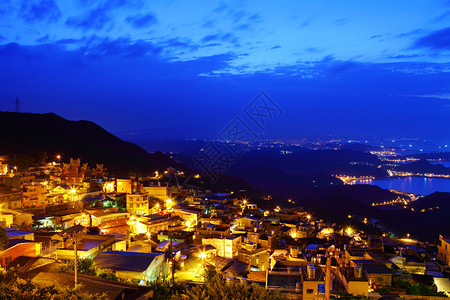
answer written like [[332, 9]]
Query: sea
[[413, 184]]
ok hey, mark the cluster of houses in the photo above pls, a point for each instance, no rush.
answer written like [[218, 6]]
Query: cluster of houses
[[144, 230]]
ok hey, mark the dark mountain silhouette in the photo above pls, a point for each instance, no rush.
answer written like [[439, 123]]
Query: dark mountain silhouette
[[438, 200], [30, 135], [435, 155], [423, 166], [427, 221]]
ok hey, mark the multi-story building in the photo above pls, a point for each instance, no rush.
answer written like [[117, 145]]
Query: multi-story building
[[111, 221], [226, 246], [137, 203], [160, 192], [3, 168], [124, 186], [444, 249], [256, 257], [34, 195], [190, 217], [10, 198]]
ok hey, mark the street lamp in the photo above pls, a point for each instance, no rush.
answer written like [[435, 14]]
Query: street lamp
[[169, 203], [72, 193], [349, 231]]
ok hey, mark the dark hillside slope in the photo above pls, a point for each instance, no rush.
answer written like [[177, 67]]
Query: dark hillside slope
[[28, 134]]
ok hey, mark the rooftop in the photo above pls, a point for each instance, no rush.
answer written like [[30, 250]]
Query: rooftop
[[126, 261]]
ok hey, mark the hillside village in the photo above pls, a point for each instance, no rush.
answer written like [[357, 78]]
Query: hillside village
[[163, 227]]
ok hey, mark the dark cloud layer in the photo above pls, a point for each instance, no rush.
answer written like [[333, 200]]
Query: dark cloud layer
[[39, 10], [124, 85], [140, 21], [437, 40]]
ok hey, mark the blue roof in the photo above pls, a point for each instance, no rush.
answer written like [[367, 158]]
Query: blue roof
[[130, 253], [13, 233], [13, 242], [312, 247], [126, 261]]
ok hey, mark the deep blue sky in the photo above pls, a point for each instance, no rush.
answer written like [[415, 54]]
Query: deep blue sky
[[184, 69]]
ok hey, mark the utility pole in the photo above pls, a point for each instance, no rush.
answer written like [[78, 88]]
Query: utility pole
[[328, 278], [328, 283], [76, 260], [171, 259], [171, 255]]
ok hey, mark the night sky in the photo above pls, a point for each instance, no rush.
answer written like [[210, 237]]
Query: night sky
[[184, 69]]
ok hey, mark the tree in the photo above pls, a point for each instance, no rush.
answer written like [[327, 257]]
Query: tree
[[86, 266], [13, 287], [219, 289], [3, 238], [404, 281]]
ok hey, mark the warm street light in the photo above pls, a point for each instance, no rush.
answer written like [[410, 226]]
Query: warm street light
[[202, 255], [349, 230]]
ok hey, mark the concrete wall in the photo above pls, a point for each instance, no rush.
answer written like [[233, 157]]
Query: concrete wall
[[23, 249]]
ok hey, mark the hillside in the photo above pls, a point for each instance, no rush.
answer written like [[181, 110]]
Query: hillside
[[423, 166], [27, 135]]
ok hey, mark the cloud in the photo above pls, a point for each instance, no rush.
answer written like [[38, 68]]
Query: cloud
[[402, 56], [99, 17], [242, 27], [437, 40], [179, 43], [327, 58], [14, 50], [254, 17], [210, 37], [314, 50], [221, 7], [276, 47], [341, 21], [97, 48], [140, 21], [304, 24], [442, 17], [95, 19], [409, 33], [2, 38], [436, 96], [92, 47], [43, 39], [227, 37], [40, 10], [209, 24]]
